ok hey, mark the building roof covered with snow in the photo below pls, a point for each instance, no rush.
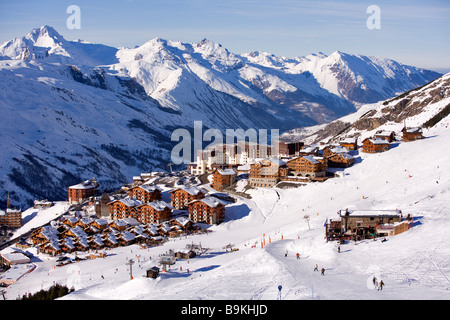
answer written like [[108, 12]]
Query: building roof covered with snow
[[370, 213]]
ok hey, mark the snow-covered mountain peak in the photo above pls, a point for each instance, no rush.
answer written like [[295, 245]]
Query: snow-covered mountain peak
[[47, 45], [142, 94], [45, 36], [219, 57]]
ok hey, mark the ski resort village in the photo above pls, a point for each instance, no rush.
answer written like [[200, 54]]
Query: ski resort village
[[353, 217], [350, 200]]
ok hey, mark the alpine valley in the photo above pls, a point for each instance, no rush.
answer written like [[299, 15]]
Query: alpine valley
[[73, 110]]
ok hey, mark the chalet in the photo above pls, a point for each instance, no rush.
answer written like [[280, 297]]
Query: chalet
[[44, 234], [337, 157], [145, 193], [118, 225], [361, 223], [42, 204], [72, 221], [309, 151], [83, 223], [153, 272], [81, 244], [140, 235], [151, 229], [375, 145], [340, 160], [154, 212], [165, 229], [125, 238], [184, 223], [349, 143], [389, 136], [308, 166], [11, 218], [333, 149], [67, 245], [267, 172], [411, 134], [110, 240], [124, 208], [209, 210], [76, 233], [223, 178], [96, 242], [51, 248], [180, 197], [100, 224], [81, 192]]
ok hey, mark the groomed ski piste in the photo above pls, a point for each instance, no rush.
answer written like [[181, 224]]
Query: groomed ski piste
[[413, 177]]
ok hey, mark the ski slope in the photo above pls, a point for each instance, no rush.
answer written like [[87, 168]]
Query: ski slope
[[413, 177]]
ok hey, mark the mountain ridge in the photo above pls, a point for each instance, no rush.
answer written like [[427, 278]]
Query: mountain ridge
[[414, 108], [73, 110]]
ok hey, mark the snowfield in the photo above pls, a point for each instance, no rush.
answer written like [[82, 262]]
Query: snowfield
[[413, 177]]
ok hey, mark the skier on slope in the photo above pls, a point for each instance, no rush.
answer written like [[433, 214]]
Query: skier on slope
[[298, 255]]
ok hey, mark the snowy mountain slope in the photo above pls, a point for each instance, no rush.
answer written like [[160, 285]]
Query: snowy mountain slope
[[339, 82], [412, 108], [74, 110], [413, 265], [46, 43], [58, 131]]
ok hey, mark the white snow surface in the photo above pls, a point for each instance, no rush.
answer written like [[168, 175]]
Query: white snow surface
[[413, 177]]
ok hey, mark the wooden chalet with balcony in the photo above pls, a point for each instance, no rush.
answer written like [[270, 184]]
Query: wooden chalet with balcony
[[338, 157], [375, 145], [389, 136], [185, 224], [308, 166], [411, 134], [154, 212], [180, 197], [309, 151], [349, 143], [223, 178], [340, 160], [44, 234], [124, 208], [209, 210], [145, 193], [267, 172]]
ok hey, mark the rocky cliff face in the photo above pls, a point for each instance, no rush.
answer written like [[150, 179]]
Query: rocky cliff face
[[413, 108]]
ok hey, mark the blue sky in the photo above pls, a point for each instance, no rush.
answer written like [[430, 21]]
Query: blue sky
[[412, 32]]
